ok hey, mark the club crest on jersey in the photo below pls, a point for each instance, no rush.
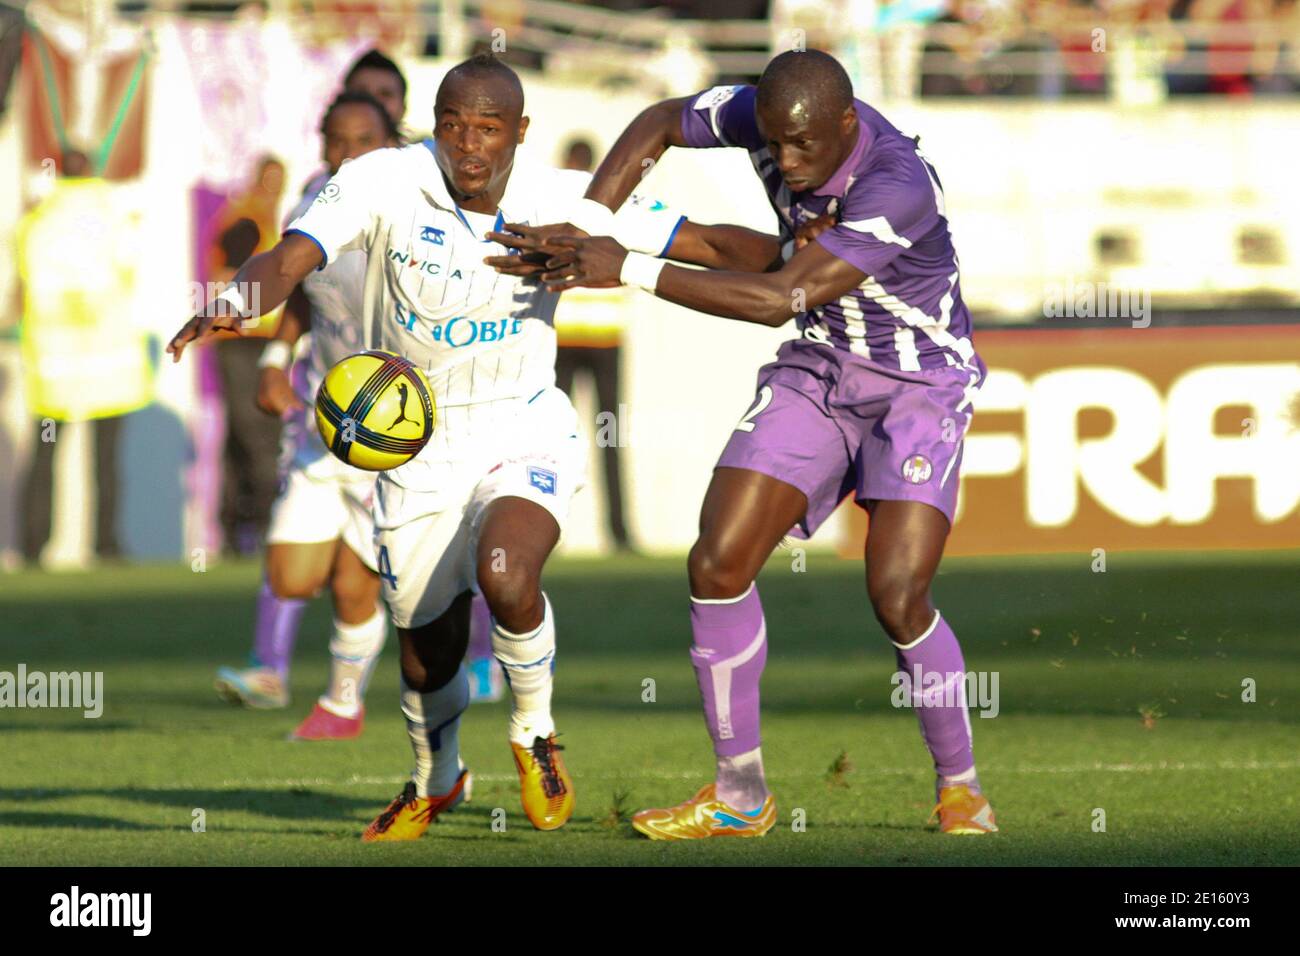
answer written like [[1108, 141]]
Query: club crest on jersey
[[542, 480], [430, 234], [917, 469]]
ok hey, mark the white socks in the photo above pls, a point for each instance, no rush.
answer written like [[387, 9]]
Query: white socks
[[433, 724], [354, 649], [741, 784], [527, 660]]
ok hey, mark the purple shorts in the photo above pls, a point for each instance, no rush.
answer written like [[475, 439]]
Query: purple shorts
[[831, 423]]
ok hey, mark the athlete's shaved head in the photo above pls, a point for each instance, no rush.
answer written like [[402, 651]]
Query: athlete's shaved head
[[479, 120], [804, 106], [811, 78], [490, 76]]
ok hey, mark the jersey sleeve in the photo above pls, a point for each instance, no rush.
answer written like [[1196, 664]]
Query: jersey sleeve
[[721, 116], [557, 190], [647, 225], [343, 212], [883, 214]]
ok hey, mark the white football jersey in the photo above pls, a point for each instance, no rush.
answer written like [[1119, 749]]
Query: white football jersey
[[483, 339]]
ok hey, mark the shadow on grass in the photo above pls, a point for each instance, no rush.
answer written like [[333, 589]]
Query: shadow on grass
[[286, 804], [71, 726]]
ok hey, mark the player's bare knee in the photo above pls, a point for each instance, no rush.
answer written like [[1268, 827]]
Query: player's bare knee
[[902, 609], [713, 575], [513, 596], [289, 584], [355, 598]]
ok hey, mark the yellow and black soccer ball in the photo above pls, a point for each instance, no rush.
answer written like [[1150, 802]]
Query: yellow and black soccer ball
[[374, 410]]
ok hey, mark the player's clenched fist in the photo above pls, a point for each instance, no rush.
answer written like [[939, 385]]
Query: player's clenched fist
[[594, 262], [275, 394]]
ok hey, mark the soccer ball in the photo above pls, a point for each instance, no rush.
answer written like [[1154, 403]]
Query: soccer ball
[[374, 410]]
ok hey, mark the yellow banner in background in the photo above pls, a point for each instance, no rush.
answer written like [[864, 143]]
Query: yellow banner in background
[[84, 355]]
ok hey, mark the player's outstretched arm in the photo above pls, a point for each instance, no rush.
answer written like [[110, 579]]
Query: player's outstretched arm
[[266, 280], [738, 249], [812, 278], [636, 151], [724, 246]]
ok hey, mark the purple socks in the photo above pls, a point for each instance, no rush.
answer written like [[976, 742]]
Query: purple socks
[[480, 630], [728, 654], [277, 629], [940, 699]]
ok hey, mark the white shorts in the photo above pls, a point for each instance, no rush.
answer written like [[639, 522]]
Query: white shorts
[[321, 502], [428, 539]]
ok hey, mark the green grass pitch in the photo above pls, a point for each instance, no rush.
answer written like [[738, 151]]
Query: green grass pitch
[[1119, 691]]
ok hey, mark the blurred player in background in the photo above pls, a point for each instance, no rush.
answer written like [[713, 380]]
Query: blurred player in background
[[375, 74], [84, 360], [265, 684], [482, 506], [872, 399], [589, 324], [246, 225], [321, 531]]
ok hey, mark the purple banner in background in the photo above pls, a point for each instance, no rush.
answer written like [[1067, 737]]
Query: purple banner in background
[[208, 424], [259, 90]]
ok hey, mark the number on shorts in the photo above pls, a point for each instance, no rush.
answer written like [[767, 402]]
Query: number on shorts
[[764, 400], [386, 567]]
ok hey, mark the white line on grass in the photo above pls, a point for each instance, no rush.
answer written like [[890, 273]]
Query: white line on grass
[[1160, 767]]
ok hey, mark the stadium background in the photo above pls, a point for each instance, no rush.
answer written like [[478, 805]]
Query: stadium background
[[1147, 715], [1136, 147]]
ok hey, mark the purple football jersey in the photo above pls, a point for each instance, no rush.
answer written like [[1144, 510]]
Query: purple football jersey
[[908, 313]]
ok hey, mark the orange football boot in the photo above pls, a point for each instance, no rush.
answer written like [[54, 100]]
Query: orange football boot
[[545, 788], [408, 816], [962, 812]]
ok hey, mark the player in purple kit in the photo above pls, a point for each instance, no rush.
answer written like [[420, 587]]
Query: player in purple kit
[[872, 399]]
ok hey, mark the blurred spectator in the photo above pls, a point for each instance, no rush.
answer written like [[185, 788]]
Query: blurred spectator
[[83, 357], [1278, 52], [1053, 47], [247, 225]]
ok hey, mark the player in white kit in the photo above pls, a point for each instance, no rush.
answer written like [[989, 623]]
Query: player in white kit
[[482, 506]]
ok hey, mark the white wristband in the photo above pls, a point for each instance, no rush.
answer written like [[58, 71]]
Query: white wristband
[[641, 270], [235, 298], [277, 354], [593, 218]]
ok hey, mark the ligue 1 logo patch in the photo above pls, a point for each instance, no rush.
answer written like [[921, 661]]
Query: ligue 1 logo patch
[[917, 469], [541, 479]]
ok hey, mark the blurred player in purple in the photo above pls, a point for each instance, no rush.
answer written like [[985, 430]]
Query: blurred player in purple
[[872, 399]]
